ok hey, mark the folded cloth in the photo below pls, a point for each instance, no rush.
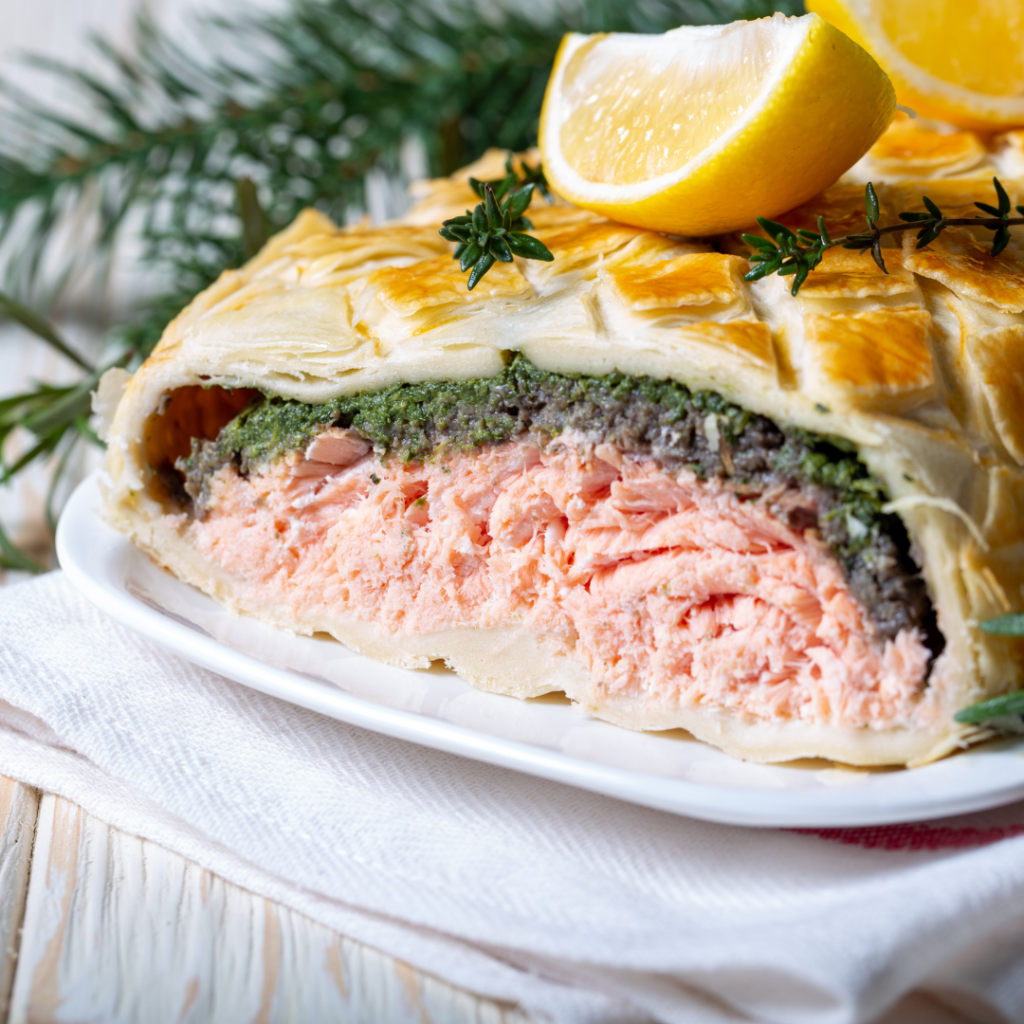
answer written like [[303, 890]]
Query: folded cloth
[[576, 906]]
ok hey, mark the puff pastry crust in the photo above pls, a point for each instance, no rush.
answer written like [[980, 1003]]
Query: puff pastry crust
[[922, 369]]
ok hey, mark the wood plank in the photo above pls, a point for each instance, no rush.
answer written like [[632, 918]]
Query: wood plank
[[18, 808], [120, 930]]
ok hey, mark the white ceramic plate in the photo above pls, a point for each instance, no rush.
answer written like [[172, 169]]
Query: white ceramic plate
[[545, 736]]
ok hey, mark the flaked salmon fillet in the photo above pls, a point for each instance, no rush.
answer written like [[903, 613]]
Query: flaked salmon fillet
[[667, 588]]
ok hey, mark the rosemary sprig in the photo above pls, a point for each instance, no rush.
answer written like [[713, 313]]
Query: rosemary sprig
[[496, 229], [796, 254]]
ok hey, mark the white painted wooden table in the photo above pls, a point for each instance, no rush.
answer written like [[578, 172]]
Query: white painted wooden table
[[97, 925]]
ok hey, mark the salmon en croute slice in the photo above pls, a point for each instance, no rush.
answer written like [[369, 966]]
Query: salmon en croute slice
[[682, 499]]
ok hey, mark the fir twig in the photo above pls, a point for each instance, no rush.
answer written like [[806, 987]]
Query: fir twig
[[11, 557], [796, 254], [303, 103], [55, 418], [254, 220]]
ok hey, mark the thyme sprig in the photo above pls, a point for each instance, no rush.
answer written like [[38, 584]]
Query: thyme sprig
[[1009, 704], [796, 254], [496, 229]]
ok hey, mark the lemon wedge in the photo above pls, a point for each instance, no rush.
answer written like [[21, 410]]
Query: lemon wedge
[[702, 129], [960, 61]]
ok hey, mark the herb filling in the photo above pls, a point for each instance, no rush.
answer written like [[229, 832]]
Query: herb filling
[[664, 420]]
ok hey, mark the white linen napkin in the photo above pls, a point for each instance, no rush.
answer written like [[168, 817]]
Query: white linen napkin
[[576, 906]]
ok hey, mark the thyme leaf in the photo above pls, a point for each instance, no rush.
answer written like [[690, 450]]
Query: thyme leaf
[[1005, 625], [1008, 704]]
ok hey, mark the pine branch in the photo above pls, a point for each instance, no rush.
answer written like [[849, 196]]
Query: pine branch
[[39, 327]]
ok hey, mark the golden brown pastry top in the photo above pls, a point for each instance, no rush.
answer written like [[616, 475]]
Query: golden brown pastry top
[[327, 310]]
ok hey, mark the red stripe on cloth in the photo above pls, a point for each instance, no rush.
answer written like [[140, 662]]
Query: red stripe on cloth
[[914, 837]]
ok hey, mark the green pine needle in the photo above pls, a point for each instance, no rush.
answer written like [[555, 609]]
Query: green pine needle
[[41, 328]]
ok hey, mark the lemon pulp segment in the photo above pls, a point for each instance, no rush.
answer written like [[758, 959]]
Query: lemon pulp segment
[[977, 44], [960, 61], [643, 106]]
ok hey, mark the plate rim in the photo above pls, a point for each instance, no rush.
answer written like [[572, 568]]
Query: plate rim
[[838, 807]]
